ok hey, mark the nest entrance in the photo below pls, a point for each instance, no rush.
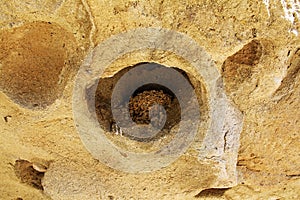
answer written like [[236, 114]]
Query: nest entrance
[[150, 101]]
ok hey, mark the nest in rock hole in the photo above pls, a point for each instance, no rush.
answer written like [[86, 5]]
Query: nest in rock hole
[[139, 106]]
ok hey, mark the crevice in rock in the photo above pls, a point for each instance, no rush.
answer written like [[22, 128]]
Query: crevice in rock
[[93, 27], [239, 67], [30, 173], [288, 83], [212, 192]]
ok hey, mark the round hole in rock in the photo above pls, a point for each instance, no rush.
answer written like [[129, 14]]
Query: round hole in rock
[[141, 100]]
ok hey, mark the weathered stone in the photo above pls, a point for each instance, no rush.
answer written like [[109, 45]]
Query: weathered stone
[[248, 61]]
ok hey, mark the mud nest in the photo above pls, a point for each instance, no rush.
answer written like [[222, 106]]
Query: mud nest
[[139, 106]]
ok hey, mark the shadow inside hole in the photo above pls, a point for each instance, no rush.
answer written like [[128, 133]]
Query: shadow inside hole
[[149, 94], [153, 86], [27, 173], [212, 192]]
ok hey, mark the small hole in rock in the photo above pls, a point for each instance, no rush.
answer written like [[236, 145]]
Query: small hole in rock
[[28, 173], [110, 197], [212, 192], [7, 117]]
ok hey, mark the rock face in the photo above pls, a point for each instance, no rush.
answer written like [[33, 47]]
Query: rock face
[[242, 59]]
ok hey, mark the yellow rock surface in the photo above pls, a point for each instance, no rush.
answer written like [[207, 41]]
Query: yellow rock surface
[[254, 45]]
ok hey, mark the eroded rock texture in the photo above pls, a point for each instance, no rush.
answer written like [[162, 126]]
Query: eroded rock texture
[[253, 47]]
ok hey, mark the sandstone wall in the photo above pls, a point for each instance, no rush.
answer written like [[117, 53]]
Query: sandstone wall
[[253, 46]]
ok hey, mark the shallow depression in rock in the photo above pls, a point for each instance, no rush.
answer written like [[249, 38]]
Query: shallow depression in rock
[[35, 63]]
